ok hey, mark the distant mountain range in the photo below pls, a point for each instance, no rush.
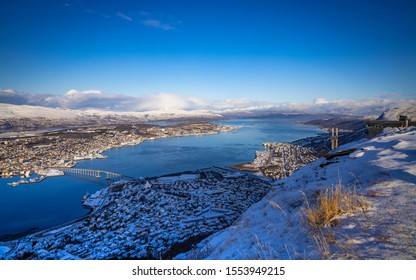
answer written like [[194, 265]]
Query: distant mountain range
[[27, 111], [10, 111], [39, 116]]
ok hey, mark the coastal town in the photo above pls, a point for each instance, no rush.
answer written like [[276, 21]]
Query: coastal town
[[279, 160], [33, 153], [148, 219]]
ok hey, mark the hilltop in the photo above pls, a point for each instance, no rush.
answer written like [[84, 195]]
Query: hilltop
[[382, 172], [394, 113]]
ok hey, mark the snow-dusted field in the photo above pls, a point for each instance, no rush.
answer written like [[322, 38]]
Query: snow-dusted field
[[382, 169]]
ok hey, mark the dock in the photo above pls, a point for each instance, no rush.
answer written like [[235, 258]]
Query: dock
[[43, 175], [30, 181]]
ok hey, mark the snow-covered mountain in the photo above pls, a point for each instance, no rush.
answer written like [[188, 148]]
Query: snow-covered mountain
[[26, 111], [394, 113], [8, 111], [382, 170]]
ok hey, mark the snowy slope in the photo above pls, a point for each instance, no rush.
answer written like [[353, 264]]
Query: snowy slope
[[383, 169], [394, 113], [26, 111]]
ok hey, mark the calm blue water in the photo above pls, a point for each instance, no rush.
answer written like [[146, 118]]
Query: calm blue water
[[54, 201], [58, 200]]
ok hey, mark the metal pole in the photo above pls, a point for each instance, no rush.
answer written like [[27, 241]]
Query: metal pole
[[336, 137]]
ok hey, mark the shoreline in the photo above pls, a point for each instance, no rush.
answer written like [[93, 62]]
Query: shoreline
[[194, 129], [248, 166], [101, 156], [279, 160]]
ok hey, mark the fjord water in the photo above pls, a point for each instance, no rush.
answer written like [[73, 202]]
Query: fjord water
[[58, 200], [170, 155], [54, 201]]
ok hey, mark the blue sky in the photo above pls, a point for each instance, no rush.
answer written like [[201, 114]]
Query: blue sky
[[278, 51]]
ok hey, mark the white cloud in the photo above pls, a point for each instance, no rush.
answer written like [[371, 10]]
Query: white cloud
[[157, 24], [320, 100], [10, 91], [163, 101], [144, 13], [96, 99], [89, 11], [75, 92], [123, 16], [73, 99]]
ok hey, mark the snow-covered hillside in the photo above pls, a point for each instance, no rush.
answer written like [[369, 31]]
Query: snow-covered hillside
[[8, 111], [382, 169], [394, 113], [26, 111]]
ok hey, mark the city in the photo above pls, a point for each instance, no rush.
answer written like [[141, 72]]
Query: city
[[152, 219], [280, 160], [21, 156]]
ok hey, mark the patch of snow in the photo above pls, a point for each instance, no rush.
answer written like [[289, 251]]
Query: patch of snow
[[356, 154], [3, 250], [182, 177], [394, 113]]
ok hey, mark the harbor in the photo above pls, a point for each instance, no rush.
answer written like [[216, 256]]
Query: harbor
[[43, 175]]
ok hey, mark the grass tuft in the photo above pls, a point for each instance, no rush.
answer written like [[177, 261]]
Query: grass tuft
[[331, 203]]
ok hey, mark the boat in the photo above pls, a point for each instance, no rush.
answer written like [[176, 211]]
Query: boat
[[35, 180], [86, 196]]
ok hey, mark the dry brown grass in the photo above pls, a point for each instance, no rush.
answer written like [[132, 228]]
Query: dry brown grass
[[322, 244], [263, 250], [331, 203], [372, 193], [325, 212]]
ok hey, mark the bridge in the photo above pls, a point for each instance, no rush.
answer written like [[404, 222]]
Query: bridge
[[109, 176]]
